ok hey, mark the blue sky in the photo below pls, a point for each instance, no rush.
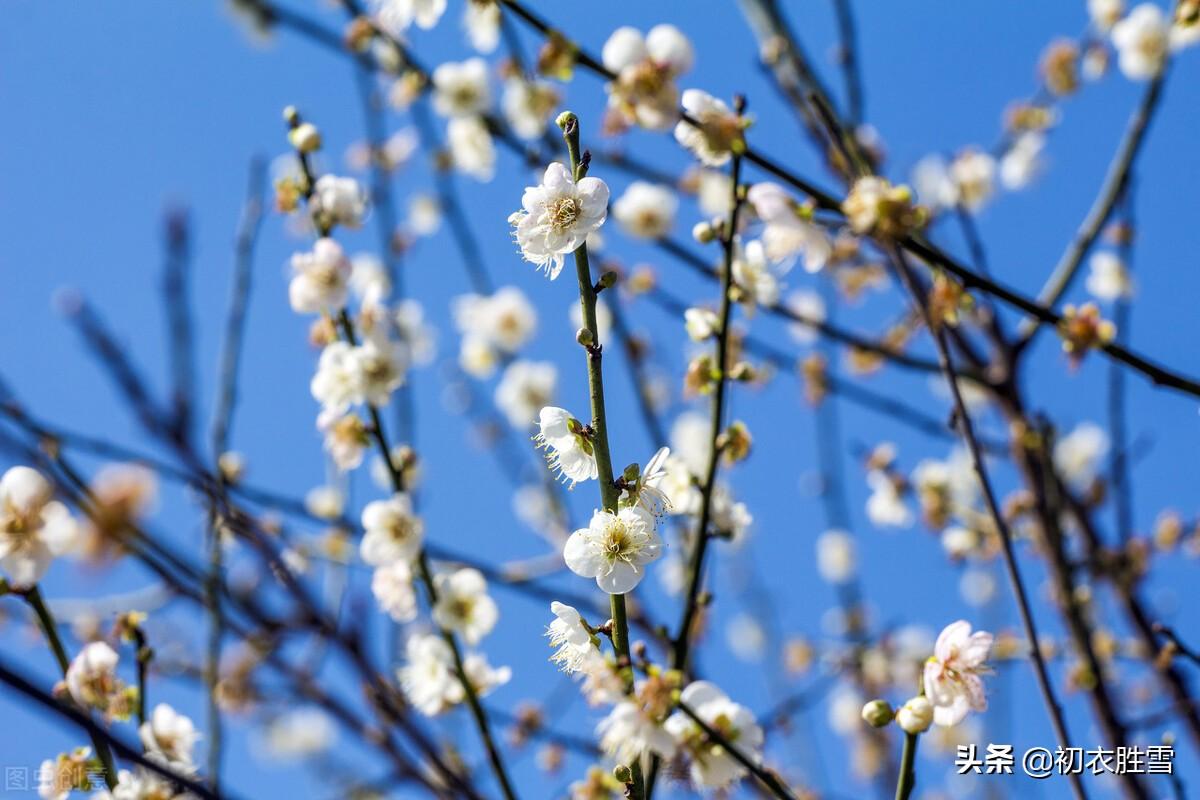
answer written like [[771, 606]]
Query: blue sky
[[117, 111]]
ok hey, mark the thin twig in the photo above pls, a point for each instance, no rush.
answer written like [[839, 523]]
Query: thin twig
[[967, 430]]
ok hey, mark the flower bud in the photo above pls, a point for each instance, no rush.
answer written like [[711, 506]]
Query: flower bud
[[291, 116], [584, 337], [703, 232], [916, 715], [743, 371], [877, 713], [735, 442], [232, 466], [305, 137], [623, 774], [608, 280]]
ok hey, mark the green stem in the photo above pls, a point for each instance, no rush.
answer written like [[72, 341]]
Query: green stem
[[609, 494], [34, 598], [142, 655], [681, 644], [679, 654], [908, 777]]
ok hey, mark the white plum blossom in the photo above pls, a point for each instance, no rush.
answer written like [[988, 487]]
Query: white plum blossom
[[338, 201], [396, 16], [568, 445], [646, 210], [973, 173], [959, 542], [141, 784], [393, 153], [1143, 40], [845, 709], [92, 680], [1105, 13], [320, 278], [1108, 279], [628, 732], [503, 321], [56, 778], [714, 192], [528, 106], [691, 440], [885, 506], [430, 681], [977, 587], [614, 549], [391, 531], [380, 366], [953, 481], [477, 357], [34, 527], [463, 604], [568, 633], [171, 737], [931, 179], [646, 492], [415, 334], [392, 586], [336, 385], [730, 516], [787, 234], [460, 89], [298, 733], [557, 215], [1023, 160], [345, 439], [701, 323], [471, 148], [746, 638], [325, 502], [424, 214], [369, 279], [712, 766], [381, 473], [808, 309], [644, 92], [836, 556], [481, 18], [753, 275], [1077, 455], [952, 674], [524, 389], [715, 130]]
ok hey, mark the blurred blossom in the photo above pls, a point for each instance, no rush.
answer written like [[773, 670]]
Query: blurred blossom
[[299, 733], [1108, 279], [836, 559], [746, 638], [1077, 455]]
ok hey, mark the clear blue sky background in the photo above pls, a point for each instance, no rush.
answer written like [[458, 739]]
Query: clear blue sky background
[[115, 110]]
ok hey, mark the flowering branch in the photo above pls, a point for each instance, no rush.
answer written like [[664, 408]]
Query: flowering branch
[[1110, 194], [966, 428], [679, 654], [589, 338], [33, 598], [768, 778], [346, 325], [101, 738]]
